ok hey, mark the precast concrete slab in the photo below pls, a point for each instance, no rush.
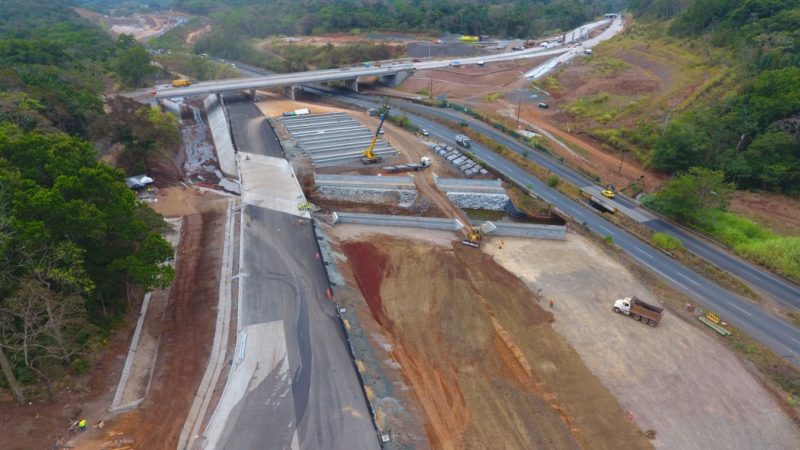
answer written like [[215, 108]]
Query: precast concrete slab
[[333, 138]]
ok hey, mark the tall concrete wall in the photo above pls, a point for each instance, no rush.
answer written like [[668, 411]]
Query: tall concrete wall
[[529, 230], [399, 221], [387, 182], [221, 133], [474, 200]]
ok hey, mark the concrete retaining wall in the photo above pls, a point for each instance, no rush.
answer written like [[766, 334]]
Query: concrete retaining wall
[[529, 230], [472, 200], [400, 197], [398, 221], [473, 194], [221, 133], [367, 189]]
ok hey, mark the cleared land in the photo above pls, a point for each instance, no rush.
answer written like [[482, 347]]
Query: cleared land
[[677, 379], [485, 366]]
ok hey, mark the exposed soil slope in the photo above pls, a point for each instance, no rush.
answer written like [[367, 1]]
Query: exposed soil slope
[[480, 355]]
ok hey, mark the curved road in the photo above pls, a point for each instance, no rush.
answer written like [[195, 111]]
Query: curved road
[[774, 332]]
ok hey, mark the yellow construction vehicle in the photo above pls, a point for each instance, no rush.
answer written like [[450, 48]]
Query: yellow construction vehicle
[[473, 237], [181, 82], [370, 157]]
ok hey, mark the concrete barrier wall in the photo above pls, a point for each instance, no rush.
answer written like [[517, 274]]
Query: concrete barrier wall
[[399, 221], [221, 133], [529, 230], [366, 182], [447, 183]]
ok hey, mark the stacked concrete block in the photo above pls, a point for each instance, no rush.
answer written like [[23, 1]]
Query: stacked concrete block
[[460, 161]]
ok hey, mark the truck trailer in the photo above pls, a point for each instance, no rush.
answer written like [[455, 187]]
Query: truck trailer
[[639, 310]]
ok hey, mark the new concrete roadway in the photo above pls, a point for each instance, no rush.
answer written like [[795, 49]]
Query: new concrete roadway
[[774, 332], [292, 382]]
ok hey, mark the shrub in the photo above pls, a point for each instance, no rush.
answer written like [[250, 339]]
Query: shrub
[[553, 181], [667, 242]]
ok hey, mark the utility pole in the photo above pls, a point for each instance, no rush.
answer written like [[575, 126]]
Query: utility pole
[[431, 86], [621, 159], [519, 107]]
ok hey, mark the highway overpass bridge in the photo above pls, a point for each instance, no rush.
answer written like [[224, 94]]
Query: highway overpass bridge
[[391, 73]]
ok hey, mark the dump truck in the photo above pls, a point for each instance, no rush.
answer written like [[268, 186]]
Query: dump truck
[[639, 310], [410, 167], [463, 140], [181, 82]]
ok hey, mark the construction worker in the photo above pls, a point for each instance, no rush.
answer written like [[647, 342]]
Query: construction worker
[[551, 303], [82, 425]]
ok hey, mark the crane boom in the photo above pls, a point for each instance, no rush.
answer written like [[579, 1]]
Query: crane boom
[[369, 156]]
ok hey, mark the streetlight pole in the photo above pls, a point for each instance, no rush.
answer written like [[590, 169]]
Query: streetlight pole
[[621, 159], [519, 107]]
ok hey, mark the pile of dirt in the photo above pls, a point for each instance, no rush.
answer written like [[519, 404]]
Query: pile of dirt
[[480, 355]]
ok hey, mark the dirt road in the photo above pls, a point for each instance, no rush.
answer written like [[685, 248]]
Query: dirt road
[[479, 354], [675, 379]]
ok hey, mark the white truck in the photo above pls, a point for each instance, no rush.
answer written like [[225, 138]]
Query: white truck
[[639, 310], [463, 140]]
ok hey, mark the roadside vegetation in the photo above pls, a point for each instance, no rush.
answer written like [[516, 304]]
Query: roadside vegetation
[[76, 246], [699, 198], [196, 67]]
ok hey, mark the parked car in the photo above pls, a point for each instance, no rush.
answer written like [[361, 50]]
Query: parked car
[[543, 105], [425, 132]]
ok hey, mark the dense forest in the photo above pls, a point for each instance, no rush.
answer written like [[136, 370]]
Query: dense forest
[[75, 243], [753, 135]]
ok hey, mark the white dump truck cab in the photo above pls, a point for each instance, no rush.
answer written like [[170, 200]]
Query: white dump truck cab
[[425, 161], [623, 306]]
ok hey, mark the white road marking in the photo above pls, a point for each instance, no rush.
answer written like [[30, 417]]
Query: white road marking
[[643, 252], [795, 340], [690, 280], [742, 310]]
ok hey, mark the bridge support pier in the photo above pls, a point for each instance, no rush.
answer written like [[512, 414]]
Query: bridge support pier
[[351, 84], [289, 91], [393, 80]]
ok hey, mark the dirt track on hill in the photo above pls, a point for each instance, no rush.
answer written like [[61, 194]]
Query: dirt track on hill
[[480, 355]]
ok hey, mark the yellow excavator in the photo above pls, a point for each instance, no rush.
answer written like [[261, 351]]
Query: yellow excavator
[[370, 157]]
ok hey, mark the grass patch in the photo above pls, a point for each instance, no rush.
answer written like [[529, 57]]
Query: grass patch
[[667, 242], [493, 97], [606, 66], [549, 84], [754, 241], [794, 317]]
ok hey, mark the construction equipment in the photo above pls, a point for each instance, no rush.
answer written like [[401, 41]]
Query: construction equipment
[[475, 234], [639, 310], [424, 163], [473, 237], [181, 82], [370, 157]]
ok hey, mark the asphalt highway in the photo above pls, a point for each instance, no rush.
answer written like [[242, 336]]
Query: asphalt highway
[[758, 278], [774, 332]]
